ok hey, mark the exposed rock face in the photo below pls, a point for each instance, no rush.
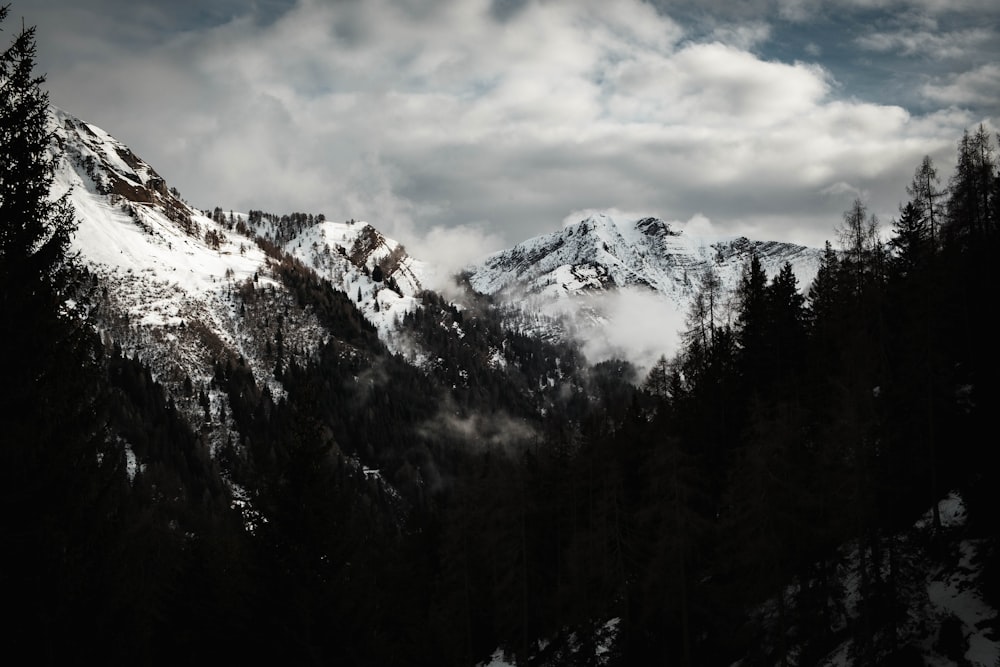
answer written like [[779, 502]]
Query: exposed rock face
[[115, 170]]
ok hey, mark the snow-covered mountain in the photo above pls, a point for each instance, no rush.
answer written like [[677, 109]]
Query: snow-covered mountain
[[131, 223], [169, 261], [604, 253], [625, 286], [182, 288]]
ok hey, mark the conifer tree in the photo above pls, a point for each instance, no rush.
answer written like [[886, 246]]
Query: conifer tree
[[35, 231], [787, 318], [969, 211], [911, 242], [751, 297], [703, 320], [56, 472], [753, 327], [669, 519], [657, 381], [925, 193], [824, 289], [859, 238]]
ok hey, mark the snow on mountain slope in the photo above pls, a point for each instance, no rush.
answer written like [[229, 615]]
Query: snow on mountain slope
[[184, 289], [170, 275], [626, 286], [145, 236], [168, 264], [601, 252], [191, 292], [375, 271]]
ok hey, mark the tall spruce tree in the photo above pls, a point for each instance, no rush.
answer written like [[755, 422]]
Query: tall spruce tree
[[787, 315], [56, 477], [35, 231], [752, 316], [911, 242]]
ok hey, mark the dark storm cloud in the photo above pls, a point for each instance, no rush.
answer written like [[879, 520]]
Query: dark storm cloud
[[488, 121]]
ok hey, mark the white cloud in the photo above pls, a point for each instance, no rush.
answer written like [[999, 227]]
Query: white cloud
[[797, 11], [700, 226], [744, 36], [977, 86], [451, 249], [932, 7], [635, 324], [841, 188], [929, 44], [422, 117], [495, 432], [611, 211]]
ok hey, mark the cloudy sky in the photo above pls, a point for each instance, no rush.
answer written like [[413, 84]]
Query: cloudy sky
[[465, 126]]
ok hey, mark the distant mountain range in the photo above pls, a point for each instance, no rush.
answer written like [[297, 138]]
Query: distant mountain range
[[601, 253], [168, 263], [623, 287]]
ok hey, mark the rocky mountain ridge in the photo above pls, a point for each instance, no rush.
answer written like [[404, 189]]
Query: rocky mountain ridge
[[604, 253]]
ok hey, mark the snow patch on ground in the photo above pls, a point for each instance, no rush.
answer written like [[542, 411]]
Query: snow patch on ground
[[950, 590]]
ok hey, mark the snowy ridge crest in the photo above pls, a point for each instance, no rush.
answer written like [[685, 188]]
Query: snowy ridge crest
[[603, 253], [132, 223]]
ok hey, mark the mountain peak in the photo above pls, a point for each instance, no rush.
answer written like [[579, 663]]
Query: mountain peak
[[655, 227], [603, 252], [109, 168]]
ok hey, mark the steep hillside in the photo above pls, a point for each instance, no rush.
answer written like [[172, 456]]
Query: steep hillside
[[171, 276], [176, 280], [355, 257]]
